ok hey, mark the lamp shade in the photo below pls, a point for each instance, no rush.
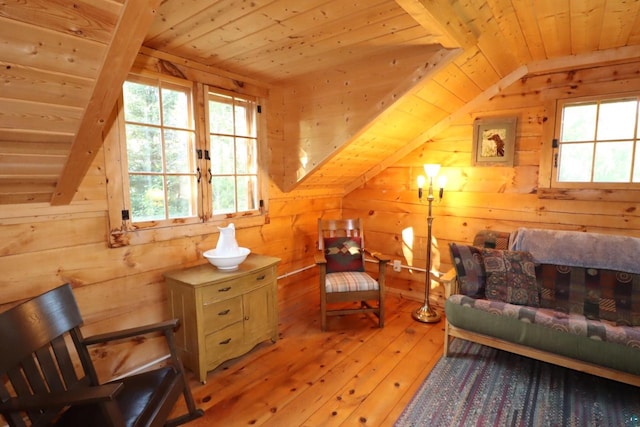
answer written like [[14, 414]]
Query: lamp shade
[[431, 169], [421, 181]]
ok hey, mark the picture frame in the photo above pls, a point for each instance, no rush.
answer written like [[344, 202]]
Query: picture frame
[[493, 141]]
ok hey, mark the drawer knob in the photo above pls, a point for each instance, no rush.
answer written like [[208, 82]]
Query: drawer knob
[[224, 312], [261, 277], [227, 289], [225, 342]]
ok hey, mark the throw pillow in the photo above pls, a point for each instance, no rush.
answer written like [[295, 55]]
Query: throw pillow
[[467, 260], [511, 277], [343, 254], [597, 294]]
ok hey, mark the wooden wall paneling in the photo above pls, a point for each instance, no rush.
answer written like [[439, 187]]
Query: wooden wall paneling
[[586, 25], [88, 19], [526, 14], [501, 52], [32, 237], [618, 23], [278, 22], [504, 14], [475, 65], [373, 23], [55, 52], [554, 25], [30, 84], [39, 117]]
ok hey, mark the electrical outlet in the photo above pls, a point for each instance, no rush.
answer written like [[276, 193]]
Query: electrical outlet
[[397, 266]]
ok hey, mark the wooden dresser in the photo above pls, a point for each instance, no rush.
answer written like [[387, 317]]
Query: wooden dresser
[[223, 314]]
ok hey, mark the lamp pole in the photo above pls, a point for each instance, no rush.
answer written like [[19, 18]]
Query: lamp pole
[[425, 313]]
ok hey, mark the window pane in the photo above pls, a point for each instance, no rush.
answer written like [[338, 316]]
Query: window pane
[[246, 158], [222, 155], [636, 166], [147, 197], [617, 120], [144, 149], [141, 103], [247, 193], [579, 122], [178, 151], [181, 190], [220, 115], [224, 194], [175, 108], [245, 118], [613, 162], [575, 162]]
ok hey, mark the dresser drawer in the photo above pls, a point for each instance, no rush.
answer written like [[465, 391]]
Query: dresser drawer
[[232, 288], [223, 344], [221, 314]]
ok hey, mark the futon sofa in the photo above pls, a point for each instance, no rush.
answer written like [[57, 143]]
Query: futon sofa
[[568, 298]]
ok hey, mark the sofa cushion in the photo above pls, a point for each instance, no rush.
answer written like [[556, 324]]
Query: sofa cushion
[[343, 254], [511, 277], [594, 293], [467, 260]]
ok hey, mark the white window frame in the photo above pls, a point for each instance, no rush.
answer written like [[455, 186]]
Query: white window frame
[[122, 231], [556, 144]]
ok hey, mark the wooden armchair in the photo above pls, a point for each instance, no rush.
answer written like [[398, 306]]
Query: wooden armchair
[[342, 275], [40, 339]]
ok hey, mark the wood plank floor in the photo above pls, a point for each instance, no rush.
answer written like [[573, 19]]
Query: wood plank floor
[[355, 374]]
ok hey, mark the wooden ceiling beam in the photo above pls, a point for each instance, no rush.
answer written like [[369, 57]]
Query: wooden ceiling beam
[[135, 20], [439, 16]]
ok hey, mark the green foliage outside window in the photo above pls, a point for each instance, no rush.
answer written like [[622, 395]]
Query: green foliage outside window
[[160, 152]]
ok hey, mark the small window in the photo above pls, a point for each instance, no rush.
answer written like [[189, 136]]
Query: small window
[[233, 139], [598, 142]]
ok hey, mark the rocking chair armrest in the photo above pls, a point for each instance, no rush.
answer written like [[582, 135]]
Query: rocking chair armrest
[[132, 332], [76, 396]]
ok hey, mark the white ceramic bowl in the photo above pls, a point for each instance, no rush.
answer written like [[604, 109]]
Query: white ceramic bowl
[[227, 262]]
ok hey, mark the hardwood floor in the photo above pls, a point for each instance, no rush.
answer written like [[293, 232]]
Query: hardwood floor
[[355, 374]]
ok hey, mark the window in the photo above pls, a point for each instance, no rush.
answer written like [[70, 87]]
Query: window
[[160, 151], [234, 144], [598, 142], [181, 157]]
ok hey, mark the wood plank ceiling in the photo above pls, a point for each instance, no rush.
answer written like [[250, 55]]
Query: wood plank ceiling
[[63, 62]]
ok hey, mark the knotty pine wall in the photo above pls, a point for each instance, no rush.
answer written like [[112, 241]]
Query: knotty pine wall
[[42, 247], [499, 198]]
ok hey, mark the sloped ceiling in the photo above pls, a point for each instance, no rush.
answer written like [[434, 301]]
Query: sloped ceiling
[[63, 63]]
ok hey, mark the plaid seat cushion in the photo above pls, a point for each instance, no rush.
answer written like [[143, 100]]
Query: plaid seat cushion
[[349, 281], [571, 323]]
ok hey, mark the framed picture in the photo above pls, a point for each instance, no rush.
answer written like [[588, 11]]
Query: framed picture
[[493, 141]]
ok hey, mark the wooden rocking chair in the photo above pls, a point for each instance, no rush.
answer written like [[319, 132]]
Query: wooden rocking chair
[[41, 386]]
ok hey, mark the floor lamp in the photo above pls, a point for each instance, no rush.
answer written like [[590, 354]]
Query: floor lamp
[[425, 313]]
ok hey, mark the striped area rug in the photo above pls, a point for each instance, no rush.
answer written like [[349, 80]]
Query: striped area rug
[[481, 386]]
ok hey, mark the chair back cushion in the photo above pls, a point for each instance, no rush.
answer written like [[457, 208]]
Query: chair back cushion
[[343, 254]]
